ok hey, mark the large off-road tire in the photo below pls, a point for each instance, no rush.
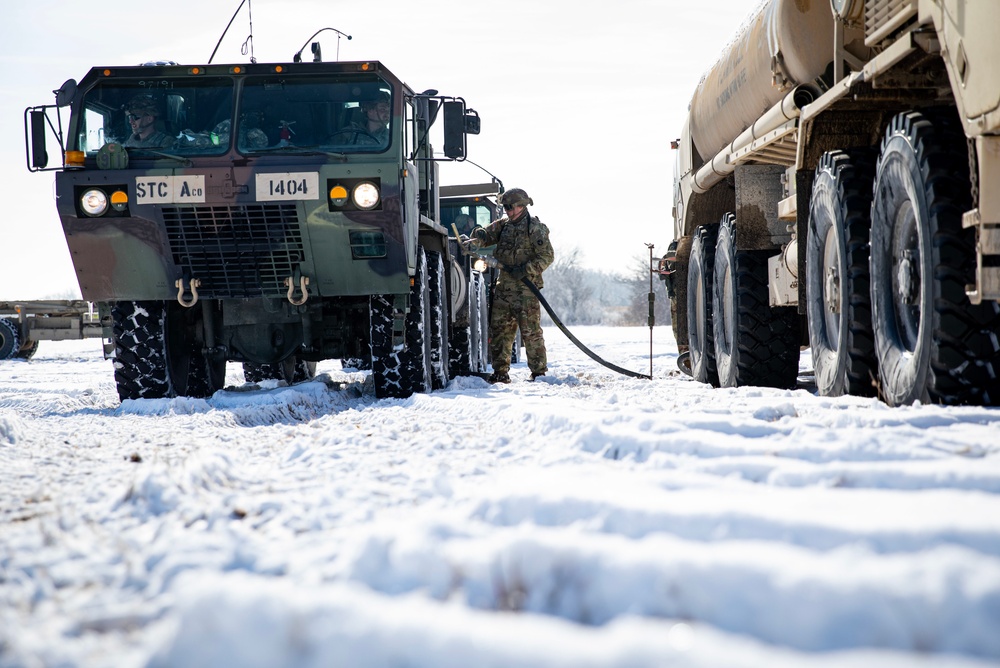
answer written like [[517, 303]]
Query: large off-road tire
[[159, 354], [460, 350], [701, 334], [27, 350], [471, 341], [754, 343], [193, 372], [837, 276], [481, 331], [140, 350], [400, 373], [292, 370], [932, 344], [359, 363], [387, 364], [10, 339], [438, 312]]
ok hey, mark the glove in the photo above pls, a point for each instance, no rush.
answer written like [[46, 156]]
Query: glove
[[517, 272], [469, 244]]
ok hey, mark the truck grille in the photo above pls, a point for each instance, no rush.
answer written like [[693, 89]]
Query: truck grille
[[883, 17], [236, 251]]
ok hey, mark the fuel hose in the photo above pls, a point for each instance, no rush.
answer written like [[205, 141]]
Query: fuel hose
[[493, 262], [569, 335]]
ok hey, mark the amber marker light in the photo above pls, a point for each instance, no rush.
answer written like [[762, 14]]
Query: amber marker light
[[74, 158], [279, 68], [338, 195], [195, 70], [107, 73], [119, 200], [236, 70]]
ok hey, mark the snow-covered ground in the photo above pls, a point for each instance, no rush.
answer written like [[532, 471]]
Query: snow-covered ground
[[588, 520]]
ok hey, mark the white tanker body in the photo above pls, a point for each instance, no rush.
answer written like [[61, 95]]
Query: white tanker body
[[836, 187]]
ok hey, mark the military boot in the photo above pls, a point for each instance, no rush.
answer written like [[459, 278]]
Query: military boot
[[499, 377]]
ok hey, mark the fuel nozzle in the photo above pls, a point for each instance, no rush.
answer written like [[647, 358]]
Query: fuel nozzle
[[484, 262]]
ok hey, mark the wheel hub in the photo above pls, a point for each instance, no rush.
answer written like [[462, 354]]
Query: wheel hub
[[831, 290], [908, 278]]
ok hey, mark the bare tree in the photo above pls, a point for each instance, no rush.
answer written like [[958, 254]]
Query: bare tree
[[579, 296]]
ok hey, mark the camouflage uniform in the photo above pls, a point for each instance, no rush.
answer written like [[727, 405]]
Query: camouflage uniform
[[359, 132], [141, 105], [524, 241]]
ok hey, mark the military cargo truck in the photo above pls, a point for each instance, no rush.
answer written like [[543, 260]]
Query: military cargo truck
[[270, 214], [836, 187], [467, 206]]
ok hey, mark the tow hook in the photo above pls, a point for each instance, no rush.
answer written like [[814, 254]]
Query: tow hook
[[303, 282], [179, 284]]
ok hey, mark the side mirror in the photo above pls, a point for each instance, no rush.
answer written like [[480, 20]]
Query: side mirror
[[454, 130], [39, 156], [472, 122], [66, 93]]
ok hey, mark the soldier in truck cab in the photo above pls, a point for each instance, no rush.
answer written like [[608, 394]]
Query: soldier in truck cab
[[373, 130], [142, 114]]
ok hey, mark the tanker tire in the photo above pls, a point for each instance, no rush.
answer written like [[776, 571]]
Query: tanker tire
[[10, 339], [27, 350], [754, 343], [932, 344], [701, 335], [140, 352], [401, 373], [438, 301], [838, 305]]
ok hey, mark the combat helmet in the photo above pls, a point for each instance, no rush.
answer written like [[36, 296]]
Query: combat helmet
[[143, 103], [514, 197]]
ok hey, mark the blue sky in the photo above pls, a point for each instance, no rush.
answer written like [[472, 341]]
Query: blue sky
[[578, 102]]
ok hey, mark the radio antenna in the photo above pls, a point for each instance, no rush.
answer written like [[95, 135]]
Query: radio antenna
[[248, 44]]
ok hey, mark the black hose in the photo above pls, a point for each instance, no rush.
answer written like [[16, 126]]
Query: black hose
[[590, 353]]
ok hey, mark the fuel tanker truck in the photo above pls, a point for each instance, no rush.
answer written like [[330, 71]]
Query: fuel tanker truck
[[837, 187]]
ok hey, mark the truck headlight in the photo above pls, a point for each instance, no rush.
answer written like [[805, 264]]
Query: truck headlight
[[365, 195], [94, 202]]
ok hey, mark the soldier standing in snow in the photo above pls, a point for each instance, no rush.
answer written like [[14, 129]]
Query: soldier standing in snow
[[524, 250]]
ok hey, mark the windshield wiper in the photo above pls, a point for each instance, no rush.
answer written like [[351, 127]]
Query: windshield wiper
[[300, 150]]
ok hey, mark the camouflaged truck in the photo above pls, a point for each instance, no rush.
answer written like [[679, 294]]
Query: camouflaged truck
[[835, 186], [260, 213]]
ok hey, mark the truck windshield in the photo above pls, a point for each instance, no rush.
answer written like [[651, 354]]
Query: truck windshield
[[331, 113], [270, 114], [175, 116]]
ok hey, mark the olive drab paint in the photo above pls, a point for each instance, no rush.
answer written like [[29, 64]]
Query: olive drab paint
[[222, 213]]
